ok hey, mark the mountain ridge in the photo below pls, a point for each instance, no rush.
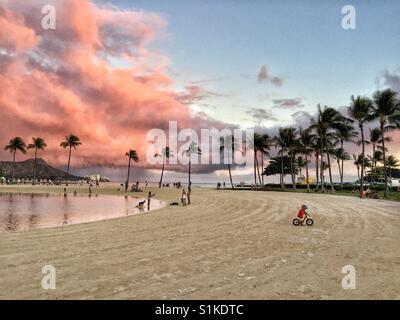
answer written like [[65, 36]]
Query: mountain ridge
[[24, 169]]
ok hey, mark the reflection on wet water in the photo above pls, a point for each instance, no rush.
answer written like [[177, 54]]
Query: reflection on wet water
[[33, 211]]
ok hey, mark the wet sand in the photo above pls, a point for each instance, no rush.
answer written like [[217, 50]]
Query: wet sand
[[226, 245]]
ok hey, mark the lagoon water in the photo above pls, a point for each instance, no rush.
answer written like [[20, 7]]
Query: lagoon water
[[34, 211]]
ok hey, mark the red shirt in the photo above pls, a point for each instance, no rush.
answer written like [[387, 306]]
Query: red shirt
[[301, 213]]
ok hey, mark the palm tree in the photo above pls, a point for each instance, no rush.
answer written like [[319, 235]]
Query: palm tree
[[324, 166], [15, 144], [357, 162], [301, 163], [284, 141], [386, 110], [165, 154], [228, 143], [376, 157], [341, 155], [375, 138], [327, 120], [306, 145], [293, 148], [391, 162], [345, 133], [360, 111], [71, 141], [317, 148], [132, 155], [193, 149], [262, 144], [38, 144]]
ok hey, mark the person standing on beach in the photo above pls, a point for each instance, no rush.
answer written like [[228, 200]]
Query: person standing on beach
[[184, 197], [189, 193], [149, 199]]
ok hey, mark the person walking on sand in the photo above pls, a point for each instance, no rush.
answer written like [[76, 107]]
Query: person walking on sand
[[184, 197], [189, 193], [149, 199]]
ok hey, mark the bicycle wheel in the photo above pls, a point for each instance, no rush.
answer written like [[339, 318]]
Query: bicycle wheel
[[296, 222], [309, 222]]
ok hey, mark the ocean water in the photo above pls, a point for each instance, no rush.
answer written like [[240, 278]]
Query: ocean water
[[33, 211]]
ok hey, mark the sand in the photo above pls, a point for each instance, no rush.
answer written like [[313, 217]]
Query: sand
[[226, 245]]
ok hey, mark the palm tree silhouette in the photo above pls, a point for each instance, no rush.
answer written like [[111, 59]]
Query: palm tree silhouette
[[293, 149], [15, 144], [360, 111], [317, 148], [375, 138], [391, 162], [386, 110], [193, 149], [341, 155], [357, 162], [165, 154], [38, 144], [228, 143], [71, 141], [132, 155], [344, 133], [284, 140], [328, 119], [261, 144], [306, 144]]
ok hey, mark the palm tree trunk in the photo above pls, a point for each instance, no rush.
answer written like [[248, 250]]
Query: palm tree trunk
[[262, 168], [362, 161], [190, 182], [230, 176], [308, 183], [258, 172], [129, 171], [317, 168], [373, 163], [162, 173], [330, 173], [34, 167], [322, 173], [384, 161], [329, 166], [255, 170], [282, 171], [69, 162], [12, 168], [292, 173], [341, 174]]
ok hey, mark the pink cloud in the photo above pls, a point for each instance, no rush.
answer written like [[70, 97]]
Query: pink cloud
[[56, 82]]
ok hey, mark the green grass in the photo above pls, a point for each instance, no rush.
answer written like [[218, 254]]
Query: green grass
[[392, 195]]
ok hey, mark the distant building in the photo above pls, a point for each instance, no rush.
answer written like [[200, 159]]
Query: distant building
[[303, 180], [96, 177]]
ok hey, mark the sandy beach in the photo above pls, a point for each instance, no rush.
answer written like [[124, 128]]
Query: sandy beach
[[226, 245]]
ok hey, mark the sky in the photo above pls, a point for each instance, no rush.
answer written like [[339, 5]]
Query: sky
[[112, 70]]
